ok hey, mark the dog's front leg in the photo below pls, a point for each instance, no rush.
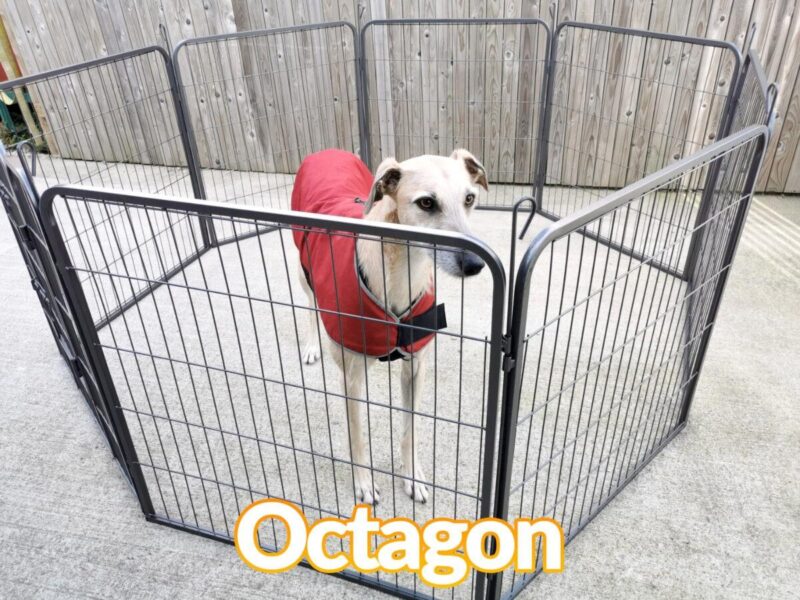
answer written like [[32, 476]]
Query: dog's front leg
[[311, 350], [412, 379], [353, 375]]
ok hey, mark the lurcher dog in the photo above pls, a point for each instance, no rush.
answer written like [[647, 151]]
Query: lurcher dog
[[343, 274]]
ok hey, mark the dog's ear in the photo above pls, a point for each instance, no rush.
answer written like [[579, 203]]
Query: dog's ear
[[387, 178], [473, 166]]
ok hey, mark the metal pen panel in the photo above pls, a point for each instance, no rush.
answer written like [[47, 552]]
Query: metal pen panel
[[753, 104], [257, 102], [111, 122], [607, 346], [210, 373], [185, 321], [624, 103], [18, 202], [755, 99], [433, 85], [114, 122]]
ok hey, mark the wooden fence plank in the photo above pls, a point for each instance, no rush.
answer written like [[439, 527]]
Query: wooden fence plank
[[249, 120], [30, 51], [493, 57], [460, 77], [792, 122], [529, 95], [785, 136], [476, 86], [633, 56], [384, 98]]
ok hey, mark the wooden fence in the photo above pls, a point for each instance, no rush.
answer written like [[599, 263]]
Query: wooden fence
[[47, 34]]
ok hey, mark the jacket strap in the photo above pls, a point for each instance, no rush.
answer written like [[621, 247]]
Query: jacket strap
[[413, 329]]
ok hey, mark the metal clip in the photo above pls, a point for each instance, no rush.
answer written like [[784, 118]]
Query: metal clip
[[508, 360], [27, 236]]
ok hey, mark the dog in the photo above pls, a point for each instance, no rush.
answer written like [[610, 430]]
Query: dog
[[388, 283]]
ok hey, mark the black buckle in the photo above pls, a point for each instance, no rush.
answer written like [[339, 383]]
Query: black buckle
[[416, 328]]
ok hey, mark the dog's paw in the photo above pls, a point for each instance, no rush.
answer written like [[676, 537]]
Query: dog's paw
[[366, 490], [414, 488], [417, 491], [310, 354]]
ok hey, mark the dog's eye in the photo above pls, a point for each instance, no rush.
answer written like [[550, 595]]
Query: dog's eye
[[469, 200], [426, 203]]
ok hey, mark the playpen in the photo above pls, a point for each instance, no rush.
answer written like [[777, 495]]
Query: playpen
[[170, 285]]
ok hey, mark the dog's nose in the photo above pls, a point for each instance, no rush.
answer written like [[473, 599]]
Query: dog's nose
[[471, 264]]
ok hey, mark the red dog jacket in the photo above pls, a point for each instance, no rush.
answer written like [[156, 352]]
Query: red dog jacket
[[334, 182]]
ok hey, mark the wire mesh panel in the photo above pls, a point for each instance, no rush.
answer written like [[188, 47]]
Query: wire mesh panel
[[755, 100], [211, 371], [110, 122], [431, 86], [259, 101], [753, 104], [624, 103], [18, 202], [136, 251], [608, 345], [113, 122], [13, 196], [218, 377]]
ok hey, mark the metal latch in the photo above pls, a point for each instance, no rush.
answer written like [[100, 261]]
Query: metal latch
[[71, 358], [508, 360], [27, 236]]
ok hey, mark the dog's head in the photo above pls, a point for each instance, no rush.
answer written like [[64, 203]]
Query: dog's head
[[431, 191]]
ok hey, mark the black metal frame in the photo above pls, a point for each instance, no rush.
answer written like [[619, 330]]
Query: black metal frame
[[722, 126], [63, 299], [29, 166], [18, 201], [365, 149], [516, 329], [186, 140], [205, 210], [212, 43]]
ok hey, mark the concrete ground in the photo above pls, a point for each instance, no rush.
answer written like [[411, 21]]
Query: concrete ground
[[717, 514]]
